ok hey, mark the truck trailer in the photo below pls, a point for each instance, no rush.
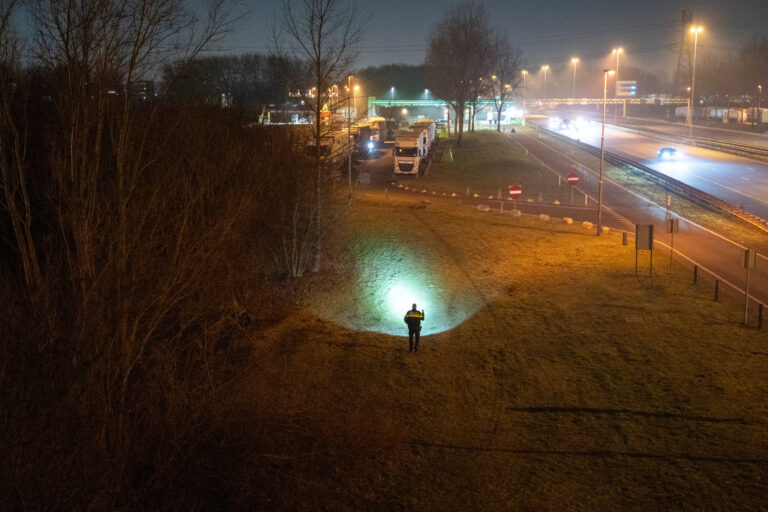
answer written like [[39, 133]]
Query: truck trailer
[[428, 127]]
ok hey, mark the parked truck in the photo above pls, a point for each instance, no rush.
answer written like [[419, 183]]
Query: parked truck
[[408, 151], [427, 126]]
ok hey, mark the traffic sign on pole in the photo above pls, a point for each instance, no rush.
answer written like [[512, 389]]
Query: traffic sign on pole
[[515, 191], [573, 178]]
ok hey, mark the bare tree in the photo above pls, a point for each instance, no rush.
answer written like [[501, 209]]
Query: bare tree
[[323, 36], [505, 74], [127, 221], [457, 57], [13, 151]]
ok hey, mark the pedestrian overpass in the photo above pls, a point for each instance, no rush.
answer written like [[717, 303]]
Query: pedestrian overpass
[[530, 104]]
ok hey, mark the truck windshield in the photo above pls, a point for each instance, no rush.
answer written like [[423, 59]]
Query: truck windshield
[[406, 151]]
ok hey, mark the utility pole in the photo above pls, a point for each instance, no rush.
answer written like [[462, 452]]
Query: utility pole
[[683, 72]]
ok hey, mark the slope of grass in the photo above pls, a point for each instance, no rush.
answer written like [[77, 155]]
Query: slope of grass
[[575, 384]]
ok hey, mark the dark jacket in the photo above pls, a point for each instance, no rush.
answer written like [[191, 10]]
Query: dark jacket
[[413, 318]]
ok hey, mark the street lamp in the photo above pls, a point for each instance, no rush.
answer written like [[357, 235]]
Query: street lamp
[[391, 94], [695, 31], [525, 74], [349, 131], [688, 113], [545, 68], [574, 61], [606, 72], [618, 51], [759, 98]]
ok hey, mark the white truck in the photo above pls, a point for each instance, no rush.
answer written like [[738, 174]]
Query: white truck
[[408, 151], [427, 126]]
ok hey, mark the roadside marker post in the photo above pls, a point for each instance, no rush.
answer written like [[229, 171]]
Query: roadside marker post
[[672, 228], [750, 261]]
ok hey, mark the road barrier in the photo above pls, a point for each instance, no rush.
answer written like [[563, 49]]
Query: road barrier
[[667, 182]]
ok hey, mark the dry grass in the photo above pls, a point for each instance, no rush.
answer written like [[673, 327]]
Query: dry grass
[[488, 161], [576, 385]]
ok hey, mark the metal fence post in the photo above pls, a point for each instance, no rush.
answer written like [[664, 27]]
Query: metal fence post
[[695, 273], [717, 288]]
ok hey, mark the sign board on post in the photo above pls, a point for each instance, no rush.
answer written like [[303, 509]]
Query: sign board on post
[[750, 258], [644, 242], [515, 191], [644, 237], [672, 225], [626, 88], [573, 179]]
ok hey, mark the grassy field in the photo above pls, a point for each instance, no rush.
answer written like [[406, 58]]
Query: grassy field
[[554, 377], [488, 161]]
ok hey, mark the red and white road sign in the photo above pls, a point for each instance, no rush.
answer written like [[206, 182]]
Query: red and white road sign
[[515, 191], [573, 178]]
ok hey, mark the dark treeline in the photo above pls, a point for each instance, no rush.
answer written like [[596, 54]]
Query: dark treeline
[[140, 241], [737, 74], [248, 83], [409, 81]]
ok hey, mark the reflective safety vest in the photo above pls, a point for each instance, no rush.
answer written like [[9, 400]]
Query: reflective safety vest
[[414, 314], [413, 318]]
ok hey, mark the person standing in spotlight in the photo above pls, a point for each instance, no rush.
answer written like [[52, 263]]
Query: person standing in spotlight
[[413, 318]]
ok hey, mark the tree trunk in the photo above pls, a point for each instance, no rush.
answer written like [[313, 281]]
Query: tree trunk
[[460, 116]]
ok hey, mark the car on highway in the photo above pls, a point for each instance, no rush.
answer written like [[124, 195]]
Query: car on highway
[[667, 154]]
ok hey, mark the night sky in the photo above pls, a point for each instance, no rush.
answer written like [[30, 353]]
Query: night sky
[[548, 31]]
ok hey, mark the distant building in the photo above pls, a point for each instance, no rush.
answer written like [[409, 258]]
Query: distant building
[[141, 90]]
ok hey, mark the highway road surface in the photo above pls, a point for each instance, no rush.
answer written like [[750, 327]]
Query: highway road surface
[[711, 251], [736, 179], [708, 132]]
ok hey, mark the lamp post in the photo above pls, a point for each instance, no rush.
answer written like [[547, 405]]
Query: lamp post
[[688, 114], [574, 61], [606, 72], [618, 52], [545, 68], [391, 95], [695, 31], [759, 98], [350, 90], [525, 74]]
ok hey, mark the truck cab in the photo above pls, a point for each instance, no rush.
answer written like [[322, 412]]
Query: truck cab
[[408, 152]]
